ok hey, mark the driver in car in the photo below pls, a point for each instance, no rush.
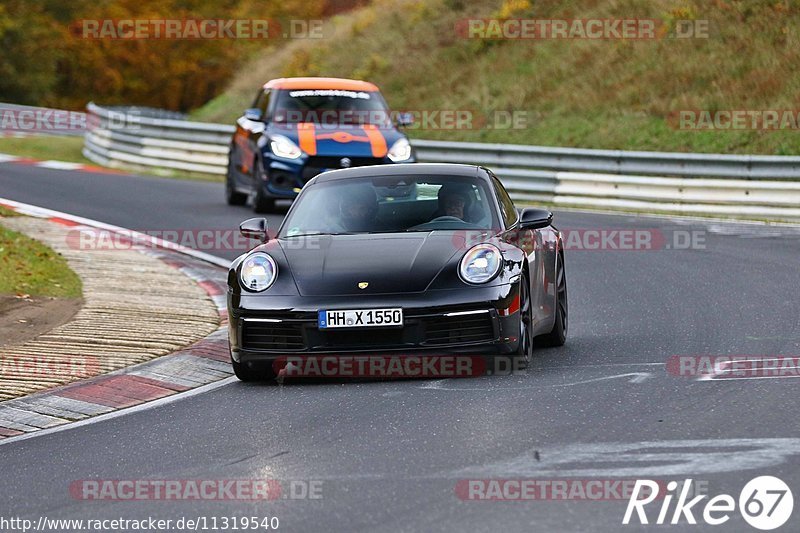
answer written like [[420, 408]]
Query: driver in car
[[454, 201]]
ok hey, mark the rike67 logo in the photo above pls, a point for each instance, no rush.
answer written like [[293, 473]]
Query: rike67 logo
[[765, 502]]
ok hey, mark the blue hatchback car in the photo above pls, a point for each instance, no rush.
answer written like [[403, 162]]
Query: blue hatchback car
[[300, 127]]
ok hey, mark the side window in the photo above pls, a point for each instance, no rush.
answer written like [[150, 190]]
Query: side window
[[262, 103], [506, 205]]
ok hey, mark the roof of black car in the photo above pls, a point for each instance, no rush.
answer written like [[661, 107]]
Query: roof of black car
[[407, 169]]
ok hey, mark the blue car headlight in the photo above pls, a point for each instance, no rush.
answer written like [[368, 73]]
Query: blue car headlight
[[400, 150], [284, 147]]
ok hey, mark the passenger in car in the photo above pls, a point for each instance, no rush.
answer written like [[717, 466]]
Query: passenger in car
[[358, 208]]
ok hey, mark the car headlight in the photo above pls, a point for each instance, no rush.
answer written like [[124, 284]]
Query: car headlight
[[480, 264], [258, 272], [284, 147], [400, 151]]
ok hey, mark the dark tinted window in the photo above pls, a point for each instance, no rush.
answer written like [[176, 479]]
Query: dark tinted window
[[331, 106], [262, 102], [391, 204], [506, 204]]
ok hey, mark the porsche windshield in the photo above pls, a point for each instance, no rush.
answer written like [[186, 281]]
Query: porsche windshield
[[391, 204], [331, 106]]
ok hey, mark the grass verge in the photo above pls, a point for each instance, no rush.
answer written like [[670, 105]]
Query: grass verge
[[57, 148], [29, 267], [60, 148], [589, 93]]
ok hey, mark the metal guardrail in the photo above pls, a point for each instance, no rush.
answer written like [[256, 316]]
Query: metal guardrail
[[754, 186], [618, 161]]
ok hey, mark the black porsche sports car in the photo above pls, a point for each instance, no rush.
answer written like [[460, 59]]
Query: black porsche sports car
[[453, 269]]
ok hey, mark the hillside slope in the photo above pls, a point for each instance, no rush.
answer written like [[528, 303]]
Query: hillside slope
[[619, 94]]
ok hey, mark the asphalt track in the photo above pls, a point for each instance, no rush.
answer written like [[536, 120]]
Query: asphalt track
[[389, 454]]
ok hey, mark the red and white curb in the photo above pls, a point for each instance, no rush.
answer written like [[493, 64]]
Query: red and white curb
[[56, 165], [199, 365]]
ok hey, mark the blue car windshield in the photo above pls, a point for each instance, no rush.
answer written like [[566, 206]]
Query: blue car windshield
[[331, 106], [391, 204]]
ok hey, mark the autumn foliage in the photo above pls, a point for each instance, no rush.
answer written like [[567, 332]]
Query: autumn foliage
[[46, 61]]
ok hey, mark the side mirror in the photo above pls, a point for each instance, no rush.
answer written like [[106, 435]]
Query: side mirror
[[255, 228], [405, 119], [253, 114], [533, 218]]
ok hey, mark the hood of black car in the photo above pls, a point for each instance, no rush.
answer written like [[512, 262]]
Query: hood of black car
[[386, 263]]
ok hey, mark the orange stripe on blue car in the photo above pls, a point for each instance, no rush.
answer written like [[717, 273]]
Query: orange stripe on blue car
[[377, 141], [307, 137]]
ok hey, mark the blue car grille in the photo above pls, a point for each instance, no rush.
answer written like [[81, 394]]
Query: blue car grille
[[317, 164]]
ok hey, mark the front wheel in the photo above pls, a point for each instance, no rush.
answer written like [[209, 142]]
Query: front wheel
[[524, 351], [558, 335], [261, 202], [232, 196]]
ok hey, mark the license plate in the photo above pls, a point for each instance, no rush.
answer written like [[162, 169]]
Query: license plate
[[360, 318]]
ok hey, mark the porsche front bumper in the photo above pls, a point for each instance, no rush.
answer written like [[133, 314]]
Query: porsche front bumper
[[474, 321]]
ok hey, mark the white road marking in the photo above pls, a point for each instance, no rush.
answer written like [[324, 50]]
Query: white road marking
[[122, 412], [652, 458], [435, 385], [636, 377], [59, 165], [655, 459], [720, 376], [598, 365]]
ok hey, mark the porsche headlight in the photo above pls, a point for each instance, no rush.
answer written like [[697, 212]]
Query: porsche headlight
[[400, 151], [284, 147], [258, 272], [480, 264]]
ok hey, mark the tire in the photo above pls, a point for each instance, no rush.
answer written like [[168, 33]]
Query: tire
[[252, 372], [558, 335], [524, 353], [261, 203], [232, 196]]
